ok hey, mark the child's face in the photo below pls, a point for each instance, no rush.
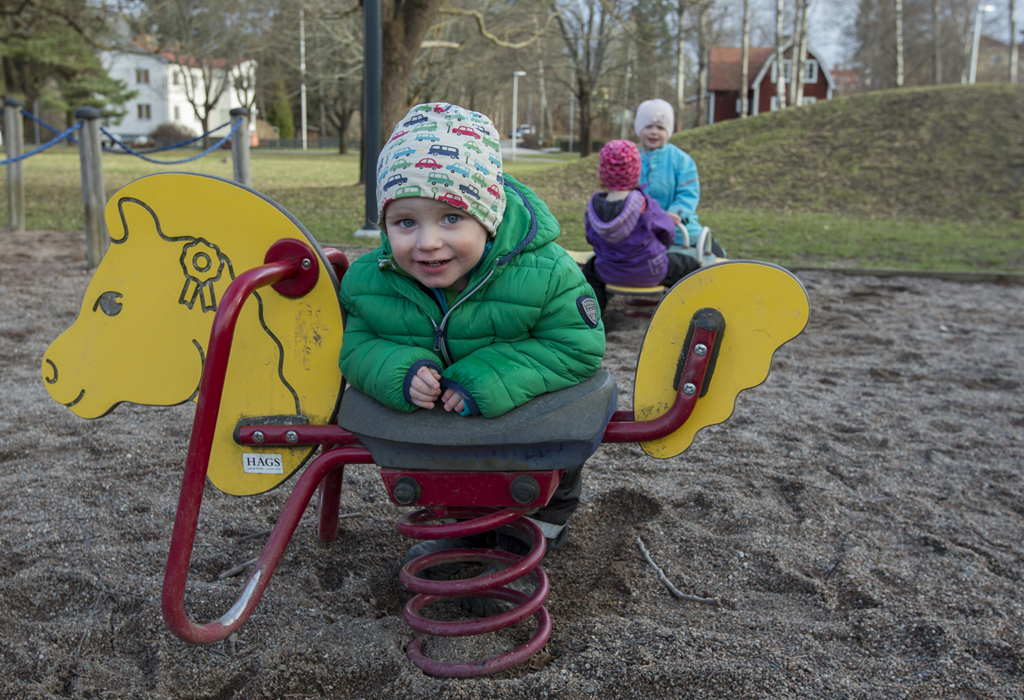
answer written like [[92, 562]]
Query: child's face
[[434, 242], [653, 137]]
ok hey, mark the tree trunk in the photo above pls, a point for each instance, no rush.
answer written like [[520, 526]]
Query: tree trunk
[[801, 64], [780, 79], [680, 66], [794, 53], [744, 59], [585, 130], [1013, 44], [898, 6], [936, 35], [702, 63], [404, 24]]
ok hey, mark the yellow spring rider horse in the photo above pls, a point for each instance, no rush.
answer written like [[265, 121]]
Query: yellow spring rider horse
[[211, 292]]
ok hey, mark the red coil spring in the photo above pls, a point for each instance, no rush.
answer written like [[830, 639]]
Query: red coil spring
[[473, 521]]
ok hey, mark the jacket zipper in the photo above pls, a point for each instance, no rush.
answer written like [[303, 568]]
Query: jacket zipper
[[440, 338]]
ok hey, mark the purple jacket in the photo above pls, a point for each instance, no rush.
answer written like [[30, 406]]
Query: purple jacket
[[630, 248]]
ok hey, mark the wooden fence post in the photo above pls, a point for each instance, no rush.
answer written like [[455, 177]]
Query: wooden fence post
[[15, 145], [94, 196], [240, 148]]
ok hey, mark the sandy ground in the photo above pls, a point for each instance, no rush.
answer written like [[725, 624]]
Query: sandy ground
[[860, 517]]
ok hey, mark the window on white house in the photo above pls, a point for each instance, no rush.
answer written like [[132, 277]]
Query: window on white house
[[811, 74], [775, 103], [176, 78], [142, 75], [177, 114], [145, 111]]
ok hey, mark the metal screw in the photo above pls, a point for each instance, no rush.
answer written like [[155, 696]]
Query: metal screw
[[406, 491], [306, 263], [258, 436], [291, 436], [525, 489], [689, 389], [700, 350]]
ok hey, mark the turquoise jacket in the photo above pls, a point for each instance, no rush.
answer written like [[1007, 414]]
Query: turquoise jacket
[[671, 176], [525, 325]]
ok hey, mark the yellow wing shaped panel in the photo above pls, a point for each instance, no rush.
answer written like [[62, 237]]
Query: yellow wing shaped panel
[[763, 305], [177, 240]]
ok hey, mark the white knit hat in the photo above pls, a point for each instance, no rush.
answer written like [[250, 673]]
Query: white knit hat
[[654, 112], [443, 152]]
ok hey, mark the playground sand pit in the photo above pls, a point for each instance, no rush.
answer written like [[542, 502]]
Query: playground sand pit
[[858, 523]]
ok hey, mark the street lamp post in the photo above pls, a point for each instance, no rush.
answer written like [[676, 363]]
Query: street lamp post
[[515, 109], [977, 38]]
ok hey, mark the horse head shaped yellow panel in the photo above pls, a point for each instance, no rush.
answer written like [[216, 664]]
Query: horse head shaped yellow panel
[[177, 242]]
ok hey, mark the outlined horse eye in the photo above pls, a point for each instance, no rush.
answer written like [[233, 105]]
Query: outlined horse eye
[[109, 303]]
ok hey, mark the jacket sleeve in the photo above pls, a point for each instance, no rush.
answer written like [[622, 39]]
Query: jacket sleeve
[[662, 226], [563, 349], [376, 366], [687, 184]]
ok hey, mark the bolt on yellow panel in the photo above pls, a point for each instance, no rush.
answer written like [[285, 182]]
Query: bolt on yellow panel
[[764, 306], [177, 242]]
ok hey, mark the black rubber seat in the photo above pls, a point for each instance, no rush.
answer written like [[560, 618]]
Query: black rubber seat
[[559, 430]]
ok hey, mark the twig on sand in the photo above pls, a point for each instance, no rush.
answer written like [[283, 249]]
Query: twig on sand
[[304, 521], [237, 569], [675, 591]]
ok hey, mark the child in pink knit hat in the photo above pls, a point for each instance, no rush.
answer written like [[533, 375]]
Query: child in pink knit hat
[[629, 230]]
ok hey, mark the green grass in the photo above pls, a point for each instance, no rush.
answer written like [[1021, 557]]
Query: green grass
[[918, 178]]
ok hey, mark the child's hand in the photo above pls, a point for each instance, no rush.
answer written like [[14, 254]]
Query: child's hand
[[675, 217], [453, 401], [425, 387]]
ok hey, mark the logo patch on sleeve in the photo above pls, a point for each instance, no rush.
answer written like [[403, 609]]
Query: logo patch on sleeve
[[588, 310]]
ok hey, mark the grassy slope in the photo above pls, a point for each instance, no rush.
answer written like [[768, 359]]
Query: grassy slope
[[930, 177]]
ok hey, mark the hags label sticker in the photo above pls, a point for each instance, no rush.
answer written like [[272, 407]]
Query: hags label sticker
[[262, 463]]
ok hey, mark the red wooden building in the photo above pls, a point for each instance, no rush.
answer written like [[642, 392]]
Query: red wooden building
[[725, 76]]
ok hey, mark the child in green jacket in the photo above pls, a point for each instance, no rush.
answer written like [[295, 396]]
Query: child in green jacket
[[468, 304]]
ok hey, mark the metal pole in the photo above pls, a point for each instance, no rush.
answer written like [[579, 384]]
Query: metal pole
[[302, 71], [572, 109], [372, 76], [15, 171], [515, 109], [94, 197], [240, 161]]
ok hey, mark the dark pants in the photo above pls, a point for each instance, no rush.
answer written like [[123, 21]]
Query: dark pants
[[559, 509], [679, 266]]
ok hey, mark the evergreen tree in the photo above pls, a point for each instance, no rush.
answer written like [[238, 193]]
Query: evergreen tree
[[279, 112]]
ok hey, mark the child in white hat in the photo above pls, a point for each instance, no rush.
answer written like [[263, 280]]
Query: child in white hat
[[669, 172]]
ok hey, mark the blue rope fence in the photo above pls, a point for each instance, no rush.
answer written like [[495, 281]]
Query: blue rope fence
[[131, 151], [60, 137], [37, 120]]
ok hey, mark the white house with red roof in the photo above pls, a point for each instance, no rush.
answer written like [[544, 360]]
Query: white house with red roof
[[159, 79]]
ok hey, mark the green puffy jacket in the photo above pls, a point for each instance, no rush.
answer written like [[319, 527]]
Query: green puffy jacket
[[525, 325]]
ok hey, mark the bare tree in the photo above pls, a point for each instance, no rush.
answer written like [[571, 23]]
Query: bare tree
[[800, 65], [898, 10], [681, 64], [703, 47], [794, 52], [937, 40], [780, 80], [587, 28], [744, 59], [1013, 43]]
